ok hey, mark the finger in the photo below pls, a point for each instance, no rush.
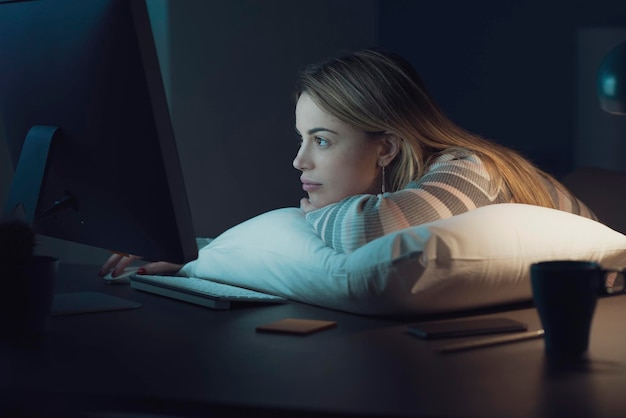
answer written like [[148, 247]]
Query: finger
[[123, 263], [109, 264], [304, 202], [160, 267], [306, 205]]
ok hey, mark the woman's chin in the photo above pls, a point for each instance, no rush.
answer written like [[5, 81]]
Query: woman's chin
[[320, 203], [320, 200]]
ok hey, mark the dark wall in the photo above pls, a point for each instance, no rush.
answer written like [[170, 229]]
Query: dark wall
[[233, 69], [503, 69]]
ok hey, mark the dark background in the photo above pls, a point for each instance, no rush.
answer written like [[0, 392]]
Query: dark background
[[508, 70], [503, 69]]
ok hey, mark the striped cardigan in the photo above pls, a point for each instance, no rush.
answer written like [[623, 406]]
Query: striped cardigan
[[454, 183]]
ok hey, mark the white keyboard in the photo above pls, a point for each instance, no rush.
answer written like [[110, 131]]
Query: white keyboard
[[200, 291]]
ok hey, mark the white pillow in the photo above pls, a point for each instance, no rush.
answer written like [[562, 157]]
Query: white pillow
[[477, 259]]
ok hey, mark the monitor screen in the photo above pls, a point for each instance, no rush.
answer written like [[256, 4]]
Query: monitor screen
[[81, 80]]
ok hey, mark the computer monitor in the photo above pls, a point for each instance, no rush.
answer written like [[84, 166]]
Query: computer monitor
[[85, 116]]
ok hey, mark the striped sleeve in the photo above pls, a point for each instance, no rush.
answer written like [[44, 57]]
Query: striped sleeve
[[564, 200], [455, 183]]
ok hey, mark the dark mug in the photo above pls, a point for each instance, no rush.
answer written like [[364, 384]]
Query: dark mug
[[26, 301], [565, 295]]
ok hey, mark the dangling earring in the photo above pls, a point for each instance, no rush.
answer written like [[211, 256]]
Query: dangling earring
[[383, 175]]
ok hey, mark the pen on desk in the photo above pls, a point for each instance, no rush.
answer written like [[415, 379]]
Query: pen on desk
[[486, 342]]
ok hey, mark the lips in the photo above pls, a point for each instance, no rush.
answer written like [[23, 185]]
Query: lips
[[309, 185]]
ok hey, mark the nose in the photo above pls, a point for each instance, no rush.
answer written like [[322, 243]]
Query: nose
[[302, 161]]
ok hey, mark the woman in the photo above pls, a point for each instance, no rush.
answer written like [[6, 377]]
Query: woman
[[416, 165], [377, 155]]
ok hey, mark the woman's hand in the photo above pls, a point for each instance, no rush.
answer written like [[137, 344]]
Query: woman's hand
[[117, 263]]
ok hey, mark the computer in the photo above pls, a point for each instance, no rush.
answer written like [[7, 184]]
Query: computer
[[88, 129], [86, 120]]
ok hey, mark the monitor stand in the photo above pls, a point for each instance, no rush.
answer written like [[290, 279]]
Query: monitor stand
[[29, 174], [86, 302], [22, 204]]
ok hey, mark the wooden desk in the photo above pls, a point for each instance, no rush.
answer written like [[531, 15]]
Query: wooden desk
[[174, 358]]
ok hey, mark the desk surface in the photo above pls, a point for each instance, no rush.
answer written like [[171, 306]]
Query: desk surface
[[180, 359]]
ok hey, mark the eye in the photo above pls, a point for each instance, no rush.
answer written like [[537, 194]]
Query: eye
[[322, 142]]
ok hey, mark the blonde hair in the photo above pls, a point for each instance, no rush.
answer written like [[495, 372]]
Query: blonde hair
[[381, 93]]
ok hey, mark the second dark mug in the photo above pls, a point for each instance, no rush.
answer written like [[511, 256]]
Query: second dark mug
[[565, 295]]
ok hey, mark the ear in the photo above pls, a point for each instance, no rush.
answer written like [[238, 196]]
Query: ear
[[389, 149]]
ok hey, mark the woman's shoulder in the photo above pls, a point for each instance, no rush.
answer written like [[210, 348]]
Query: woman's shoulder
[[454, 156], [455, 165]]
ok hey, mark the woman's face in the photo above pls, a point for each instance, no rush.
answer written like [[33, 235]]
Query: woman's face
[[336, 160]]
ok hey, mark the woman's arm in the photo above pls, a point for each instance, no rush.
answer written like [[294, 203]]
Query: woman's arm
[[454, 184]]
